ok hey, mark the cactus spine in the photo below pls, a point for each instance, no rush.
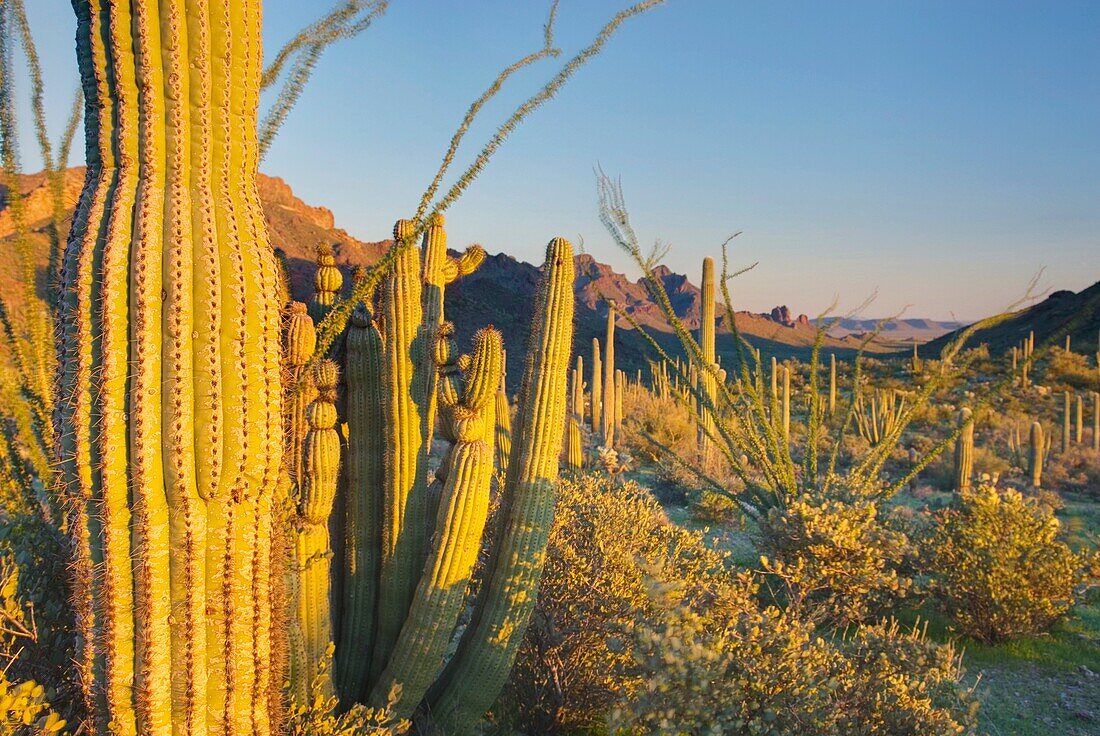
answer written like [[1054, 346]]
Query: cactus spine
[[1035, 455], [607, 413], [707, 344], [964, 451], [164, 333], [477, 672]]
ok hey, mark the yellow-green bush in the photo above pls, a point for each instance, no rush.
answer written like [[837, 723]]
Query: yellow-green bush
[[835, 557], [605, 541], [998, 567], [768, 673]]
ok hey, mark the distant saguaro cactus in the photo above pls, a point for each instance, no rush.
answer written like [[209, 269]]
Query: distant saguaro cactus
[[1036, 449], [832, 384], [597, 387], [964, 451], [607, 414], [707, 345], [1066, 404]]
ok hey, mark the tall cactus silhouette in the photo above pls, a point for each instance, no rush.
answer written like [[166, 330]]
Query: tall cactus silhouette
[[607, 413], [1036, 449], [707, 344], [170, 398], [597, 387], [964, 451]]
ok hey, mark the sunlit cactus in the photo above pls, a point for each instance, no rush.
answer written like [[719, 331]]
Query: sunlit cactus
[[1066, 404], [964, 451], [326, 283], [597, 388], [503, 434], [1036, 450], [832, 384], [475, 675], [707, 344], [607, 412], [170, 395]]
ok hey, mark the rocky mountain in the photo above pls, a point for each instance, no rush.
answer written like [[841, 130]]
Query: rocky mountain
[[500, 292], [1061, 313]]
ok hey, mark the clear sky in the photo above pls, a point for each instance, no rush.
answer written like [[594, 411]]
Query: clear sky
[[941, 152]]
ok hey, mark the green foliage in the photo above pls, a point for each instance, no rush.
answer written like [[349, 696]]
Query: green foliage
[[606, 540], [998, 566], [768, 672], [836, 557], [25, 710], [321, 716]]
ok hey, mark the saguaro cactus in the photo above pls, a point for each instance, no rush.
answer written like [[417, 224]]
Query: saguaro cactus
[[964, 451], [787, 403], [707, 345], [607, 413], [1066, 403], [597, 386], [1079, 420], [832, 384], [170, 433], [1036, 450]]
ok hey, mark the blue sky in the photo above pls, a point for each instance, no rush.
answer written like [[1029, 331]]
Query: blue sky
[[939, 152]]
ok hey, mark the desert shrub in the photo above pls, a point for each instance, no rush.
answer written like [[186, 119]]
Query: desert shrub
[[25, 710], [835, 556], [767, 672], [998, 567], [575, 662], [323, 717], [1071, 370]]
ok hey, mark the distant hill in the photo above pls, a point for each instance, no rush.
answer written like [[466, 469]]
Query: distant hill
[[501, 291], [1061, 313]]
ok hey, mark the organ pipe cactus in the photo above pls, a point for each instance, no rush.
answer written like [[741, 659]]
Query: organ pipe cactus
[[169, 420], [363, 514], [326, 283], [964, 451], [475, 675], [321, 468], [464, 504], [1035, 455]]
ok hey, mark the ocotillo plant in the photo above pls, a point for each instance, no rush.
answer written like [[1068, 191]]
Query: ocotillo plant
[[607, 414], [1035, 455], [170, 398], [964, 451], [596, 399]]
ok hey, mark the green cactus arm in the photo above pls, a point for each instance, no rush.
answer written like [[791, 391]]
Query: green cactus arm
[[404, 492], [474, 676], [363, 518], [503, 435], [464, 504]]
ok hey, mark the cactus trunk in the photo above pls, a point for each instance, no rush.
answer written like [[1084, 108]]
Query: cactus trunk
[[707, 344], [164, 333], [964, 451], [1035, 455]]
